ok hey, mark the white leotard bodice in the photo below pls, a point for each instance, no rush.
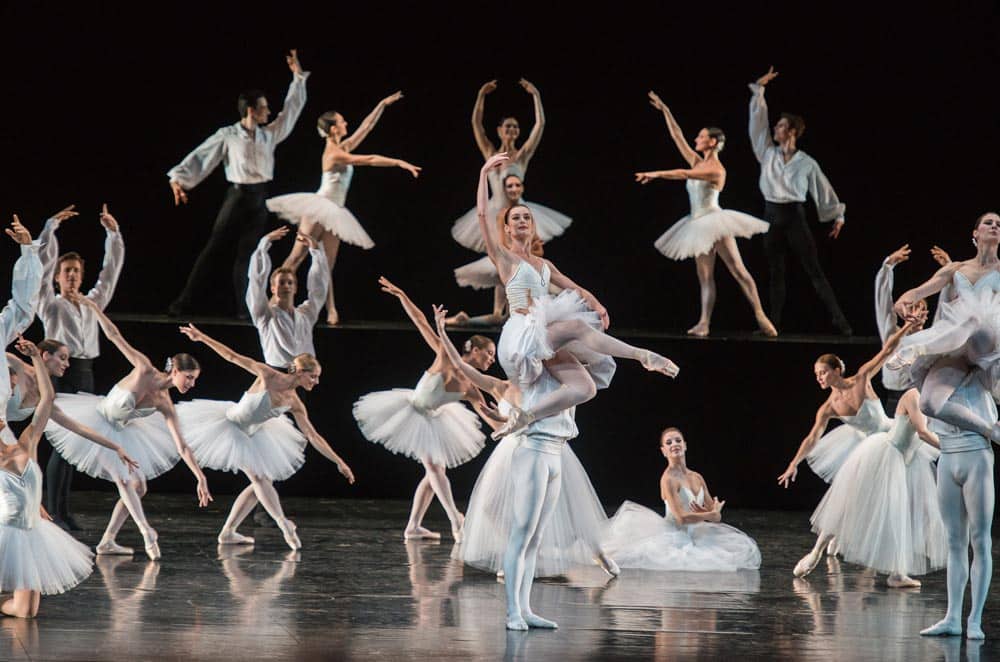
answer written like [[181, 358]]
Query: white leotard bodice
[[687, 497], [526, 285], [870, 418], [988, 283], [702, 196], [14, 410], [118, 407], [20, 496], [252, 410], [903, 436], [430, 393], [335, 183]]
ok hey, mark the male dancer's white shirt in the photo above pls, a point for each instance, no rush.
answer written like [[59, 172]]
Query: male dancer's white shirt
[[246, 159], [19, 312], [788, 182], [77, 326], [284, 335]]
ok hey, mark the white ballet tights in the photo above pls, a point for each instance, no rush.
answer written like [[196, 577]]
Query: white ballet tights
[[434, 483], [943, 378], [966, 498], [576, 386], [538, 480], [130, 492]]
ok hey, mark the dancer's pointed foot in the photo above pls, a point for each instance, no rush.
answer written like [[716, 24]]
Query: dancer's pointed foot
[[901, 581], [517, 420], [765, 326], [332, 317], [231, 537], [700, 329], [655, 363], [943, 628], [457, 533], [459, 319], [288, 529], [535, 621], [150, 538], [608, 565], [516, 623], [111, 548], [974, 630], [808, 563], [420, 533]]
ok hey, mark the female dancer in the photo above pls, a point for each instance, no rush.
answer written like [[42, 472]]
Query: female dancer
[[322, 215], [428, 424], [690, 535], [37, 556], [541, 327], [254, 437], [708, 231], [138, 414], [574, 533]]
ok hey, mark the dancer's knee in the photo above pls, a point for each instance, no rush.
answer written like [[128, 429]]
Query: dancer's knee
[[981, 342], [139, 486]]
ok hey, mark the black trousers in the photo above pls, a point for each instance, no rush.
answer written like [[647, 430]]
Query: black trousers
[[79, 376], [789, 230], [241, 221]]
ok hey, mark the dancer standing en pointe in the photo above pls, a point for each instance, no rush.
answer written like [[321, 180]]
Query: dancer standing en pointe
[[322, 215], [427, 423], [254, 437], [708, 231], [138, 415]]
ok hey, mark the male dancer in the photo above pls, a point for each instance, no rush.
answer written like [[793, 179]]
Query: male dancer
[[76, 327], [787, 175], [246, 150]]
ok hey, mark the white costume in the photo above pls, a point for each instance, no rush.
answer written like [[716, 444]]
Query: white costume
[[696, 233], [833, 448], [19, 312], [325, 207]]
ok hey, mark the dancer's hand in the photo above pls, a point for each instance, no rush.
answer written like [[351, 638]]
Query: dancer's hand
[[192, 332], [645, 177], [107, 220], [126, 460], [409, 167], [899, 255], [345, 471], [389, 288], [916, 318], [204, 496], [392, 98], [656, 102], [277, 234], [602, 312], [528, 87], [27, 347], [838, 225], [440, 316], [64, 214], [768, 77], [488, 87], [307, 240], [180, 195], [940, 256], [498, 160], [18, 232], [293, 62], [788, 477], [44, 513]]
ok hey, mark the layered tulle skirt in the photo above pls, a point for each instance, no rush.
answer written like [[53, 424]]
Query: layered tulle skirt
[[448, 435], [524, 344], [832, 450], [296, 207], [479, 274], [273, 449], [640, 538], [146, 440], [44, 558], [691, 237], [548, 223], [572, 536]]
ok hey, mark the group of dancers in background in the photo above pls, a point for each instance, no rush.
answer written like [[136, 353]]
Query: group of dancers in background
[[533, 511]]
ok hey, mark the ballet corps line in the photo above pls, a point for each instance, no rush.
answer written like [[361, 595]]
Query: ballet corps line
[[555, 352]]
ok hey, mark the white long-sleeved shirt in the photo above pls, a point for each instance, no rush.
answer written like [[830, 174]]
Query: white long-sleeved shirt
[[791, 181], [77, 326], [19, 312], [247, 159], [284, 335]]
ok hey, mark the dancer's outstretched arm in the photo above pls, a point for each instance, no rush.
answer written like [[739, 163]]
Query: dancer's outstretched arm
[[873, 365], [909, 404], [709, 175], [255, 368], [166, 407], [535, 137], [350, 144], [111, 332], [301, 417], [932, 285], [342, 157], [46, 396], [823, 416], [478, 130], [683, 147], [495, 387], [416, 316]]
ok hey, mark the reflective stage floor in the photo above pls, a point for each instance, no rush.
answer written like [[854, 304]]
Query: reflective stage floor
[[356, 591]]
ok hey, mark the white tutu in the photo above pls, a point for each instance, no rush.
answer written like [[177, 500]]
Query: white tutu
[[44, 558], [832, 449], [274, 449], [640, 538], [314, 207], [572, 536], [479, 274], [884, 512], [447, 435], [549, 223], [524, 343], [145, 440], [691, 237]]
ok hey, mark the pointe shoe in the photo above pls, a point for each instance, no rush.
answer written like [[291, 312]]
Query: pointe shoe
[[942, 628], [901, 581], [420, 533], [517, 420], [111, 548], [234, 538], [831, 547], [699, 330], [608, 565], [535, 621], [150, 537], [333, 317], [457, 533], [807, 563], [655, 363], [291, 537], [765, 326]]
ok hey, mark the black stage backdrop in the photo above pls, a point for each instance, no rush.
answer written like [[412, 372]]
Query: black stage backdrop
[[901, 109]]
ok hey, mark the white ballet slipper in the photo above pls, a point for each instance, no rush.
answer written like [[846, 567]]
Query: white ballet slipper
[[150, 538], [943, 628], [901, 581], [288, 530], [535, 621], [420, 533], [234, 538], [655, 363], [807, 563], [111, 548], [517, 420], [517, 623]]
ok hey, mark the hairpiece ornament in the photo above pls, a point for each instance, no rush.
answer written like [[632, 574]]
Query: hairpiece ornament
[[467, 347], [169, 365], [322, 133], [291, 368]]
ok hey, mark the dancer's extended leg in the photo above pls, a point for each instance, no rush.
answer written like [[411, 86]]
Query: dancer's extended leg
[[528, 500], [731, 257], [943, 378], [242, 507], [130, 503], [331, 245], [552, 490], [268, 497], [956, 523], [563, 332], [705, 266], [979, 499], [809, 562], [422, 498], [438, 479], [576, 387]]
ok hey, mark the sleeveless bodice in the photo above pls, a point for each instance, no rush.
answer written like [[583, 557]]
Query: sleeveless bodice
[[988, 283], [431, 394], [335, 183], [527, 285], [20, 496], [903, 436], [14, 410], [118, 407], [252, 410], [687, 496], [703, 197], [870, 418]]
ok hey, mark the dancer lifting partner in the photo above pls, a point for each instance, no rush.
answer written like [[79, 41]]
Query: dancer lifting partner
[[322, 215], [708, 231]]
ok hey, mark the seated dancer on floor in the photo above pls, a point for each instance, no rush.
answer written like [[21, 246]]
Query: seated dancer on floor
[[253, 435], [138, 415], [36, 556], [573, 535], [690, 536], [876, 461], [428, 423], [562, 335]]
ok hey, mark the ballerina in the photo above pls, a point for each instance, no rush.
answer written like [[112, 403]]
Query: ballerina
[[254, 437], [36, 556], [19, 312], [690, 536], [560, 334], [137, 414], [574, 533], [427, 423], [708, 231], [322, 215]]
